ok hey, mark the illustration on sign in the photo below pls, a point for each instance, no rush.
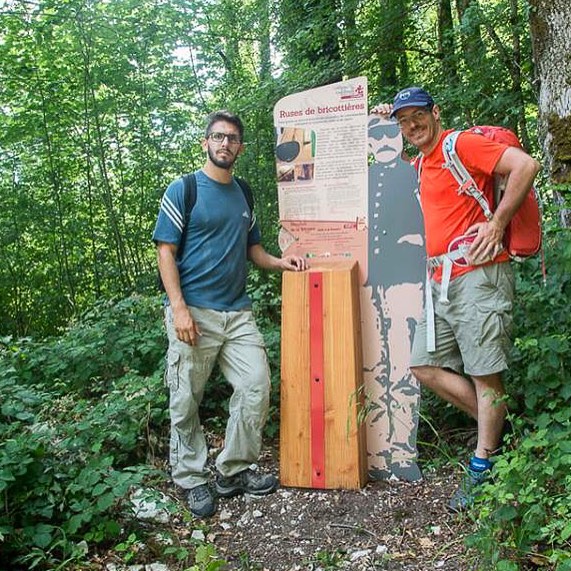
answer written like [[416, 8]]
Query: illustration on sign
[[392, 304], [294, 154]]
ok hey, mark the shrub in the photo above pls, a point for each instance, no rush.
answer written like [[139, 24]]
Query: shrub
[[109, 340], [70, 454], [525, 514]]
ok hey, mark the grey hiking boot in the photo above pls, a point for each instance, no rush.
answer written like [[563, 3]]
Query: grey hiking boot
[[201, 501], [468, 490], [246, 482]]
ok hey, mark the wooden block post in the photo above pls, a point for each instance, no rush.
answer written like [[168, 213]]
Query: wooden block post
[[322, 440]]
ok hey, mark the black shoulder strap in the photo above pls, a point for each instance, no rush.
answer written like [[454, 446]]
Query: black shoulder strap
[[189, 184], [248, 195]]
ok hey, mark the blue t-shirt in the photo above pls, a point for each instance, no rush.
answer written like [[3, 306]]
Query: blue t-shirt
[[213, 268]]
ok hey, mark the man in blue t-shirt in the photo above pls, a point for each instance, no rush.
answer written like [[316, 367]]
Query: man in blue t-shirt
[[209, 320]]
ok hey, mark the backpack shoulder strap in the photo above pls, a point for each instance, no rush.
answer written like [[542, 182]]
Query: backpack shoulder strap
[[189, 184], [249, 196], [417, 164], [189, 200], [453, 162], [246, 189], [466, 183]]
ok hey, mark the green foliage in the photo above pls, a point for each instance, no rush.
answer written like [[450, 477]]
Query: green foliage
[[97, 118], [108, 341], [526, 512], [59, 477], [329, 560], [129, 548], [70, 456], [264, 290], [207, 559]]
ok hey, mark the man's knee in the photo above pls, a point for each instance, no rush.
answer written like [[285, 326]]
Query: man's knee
[[492, 383], [253, 389], [424, 374]]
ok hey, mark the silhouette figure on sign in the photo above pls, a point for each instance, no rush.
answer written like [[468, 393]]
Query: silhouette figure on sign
[[392, 302]]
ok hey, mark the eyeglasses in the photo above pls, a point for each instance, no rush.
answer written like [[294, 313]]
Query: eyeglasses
[[218, 137], [415, 117]]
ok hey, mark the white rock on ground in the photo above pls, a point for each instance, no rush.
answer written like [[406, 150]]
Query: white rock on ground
[[149, 505]]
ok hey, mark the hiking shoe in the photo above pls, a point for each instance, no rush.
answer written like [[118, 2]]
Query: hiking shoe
[[201, 501], [246, 482], [467, 490]]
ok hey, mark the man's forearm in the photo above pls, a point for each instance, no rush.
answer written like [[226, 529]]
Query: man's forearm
[[266, 261], [170, 277], [518, 184], [262, 259]]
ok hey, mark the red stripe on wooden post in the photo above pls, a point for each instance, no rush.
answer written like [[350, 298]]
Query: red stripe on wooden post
[[317, 410]]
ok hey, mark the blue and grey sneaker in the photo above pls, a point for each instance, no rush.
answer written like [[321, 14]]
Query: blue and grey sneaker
[[246, 482], [201, 501], [468, 490]]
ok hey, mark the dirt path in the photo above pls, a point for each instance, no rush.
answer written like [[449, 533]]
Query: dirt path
[[387, 525]]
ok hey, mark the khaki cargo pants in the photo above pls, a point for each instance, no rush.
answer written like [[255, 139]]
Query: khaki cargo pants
[[232, 339]]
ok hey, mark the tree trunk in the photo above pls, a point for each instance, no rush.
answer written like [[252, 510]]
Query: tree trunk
[[472, 43], [265, 42], [551, 36], [446, 44], [390, 34]]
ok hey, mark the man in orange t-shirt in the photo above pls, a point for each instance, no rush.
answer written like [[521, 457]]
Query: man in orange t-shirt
[[448, 214], [472, 321]]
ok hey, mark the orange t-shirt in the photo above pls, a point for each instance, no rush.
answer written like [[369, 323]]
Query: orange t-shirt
[[448, 214]]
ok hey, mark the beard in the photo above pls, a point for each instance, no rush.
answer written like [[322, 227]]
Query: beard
[[226, 163]]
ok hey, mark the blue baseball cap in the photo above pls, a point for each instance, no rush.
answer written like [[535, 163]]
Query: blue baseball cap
[[411, 97]]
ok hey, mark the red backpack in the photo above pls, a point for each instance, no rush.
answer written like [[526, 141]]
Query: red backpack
[[523, 234]]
